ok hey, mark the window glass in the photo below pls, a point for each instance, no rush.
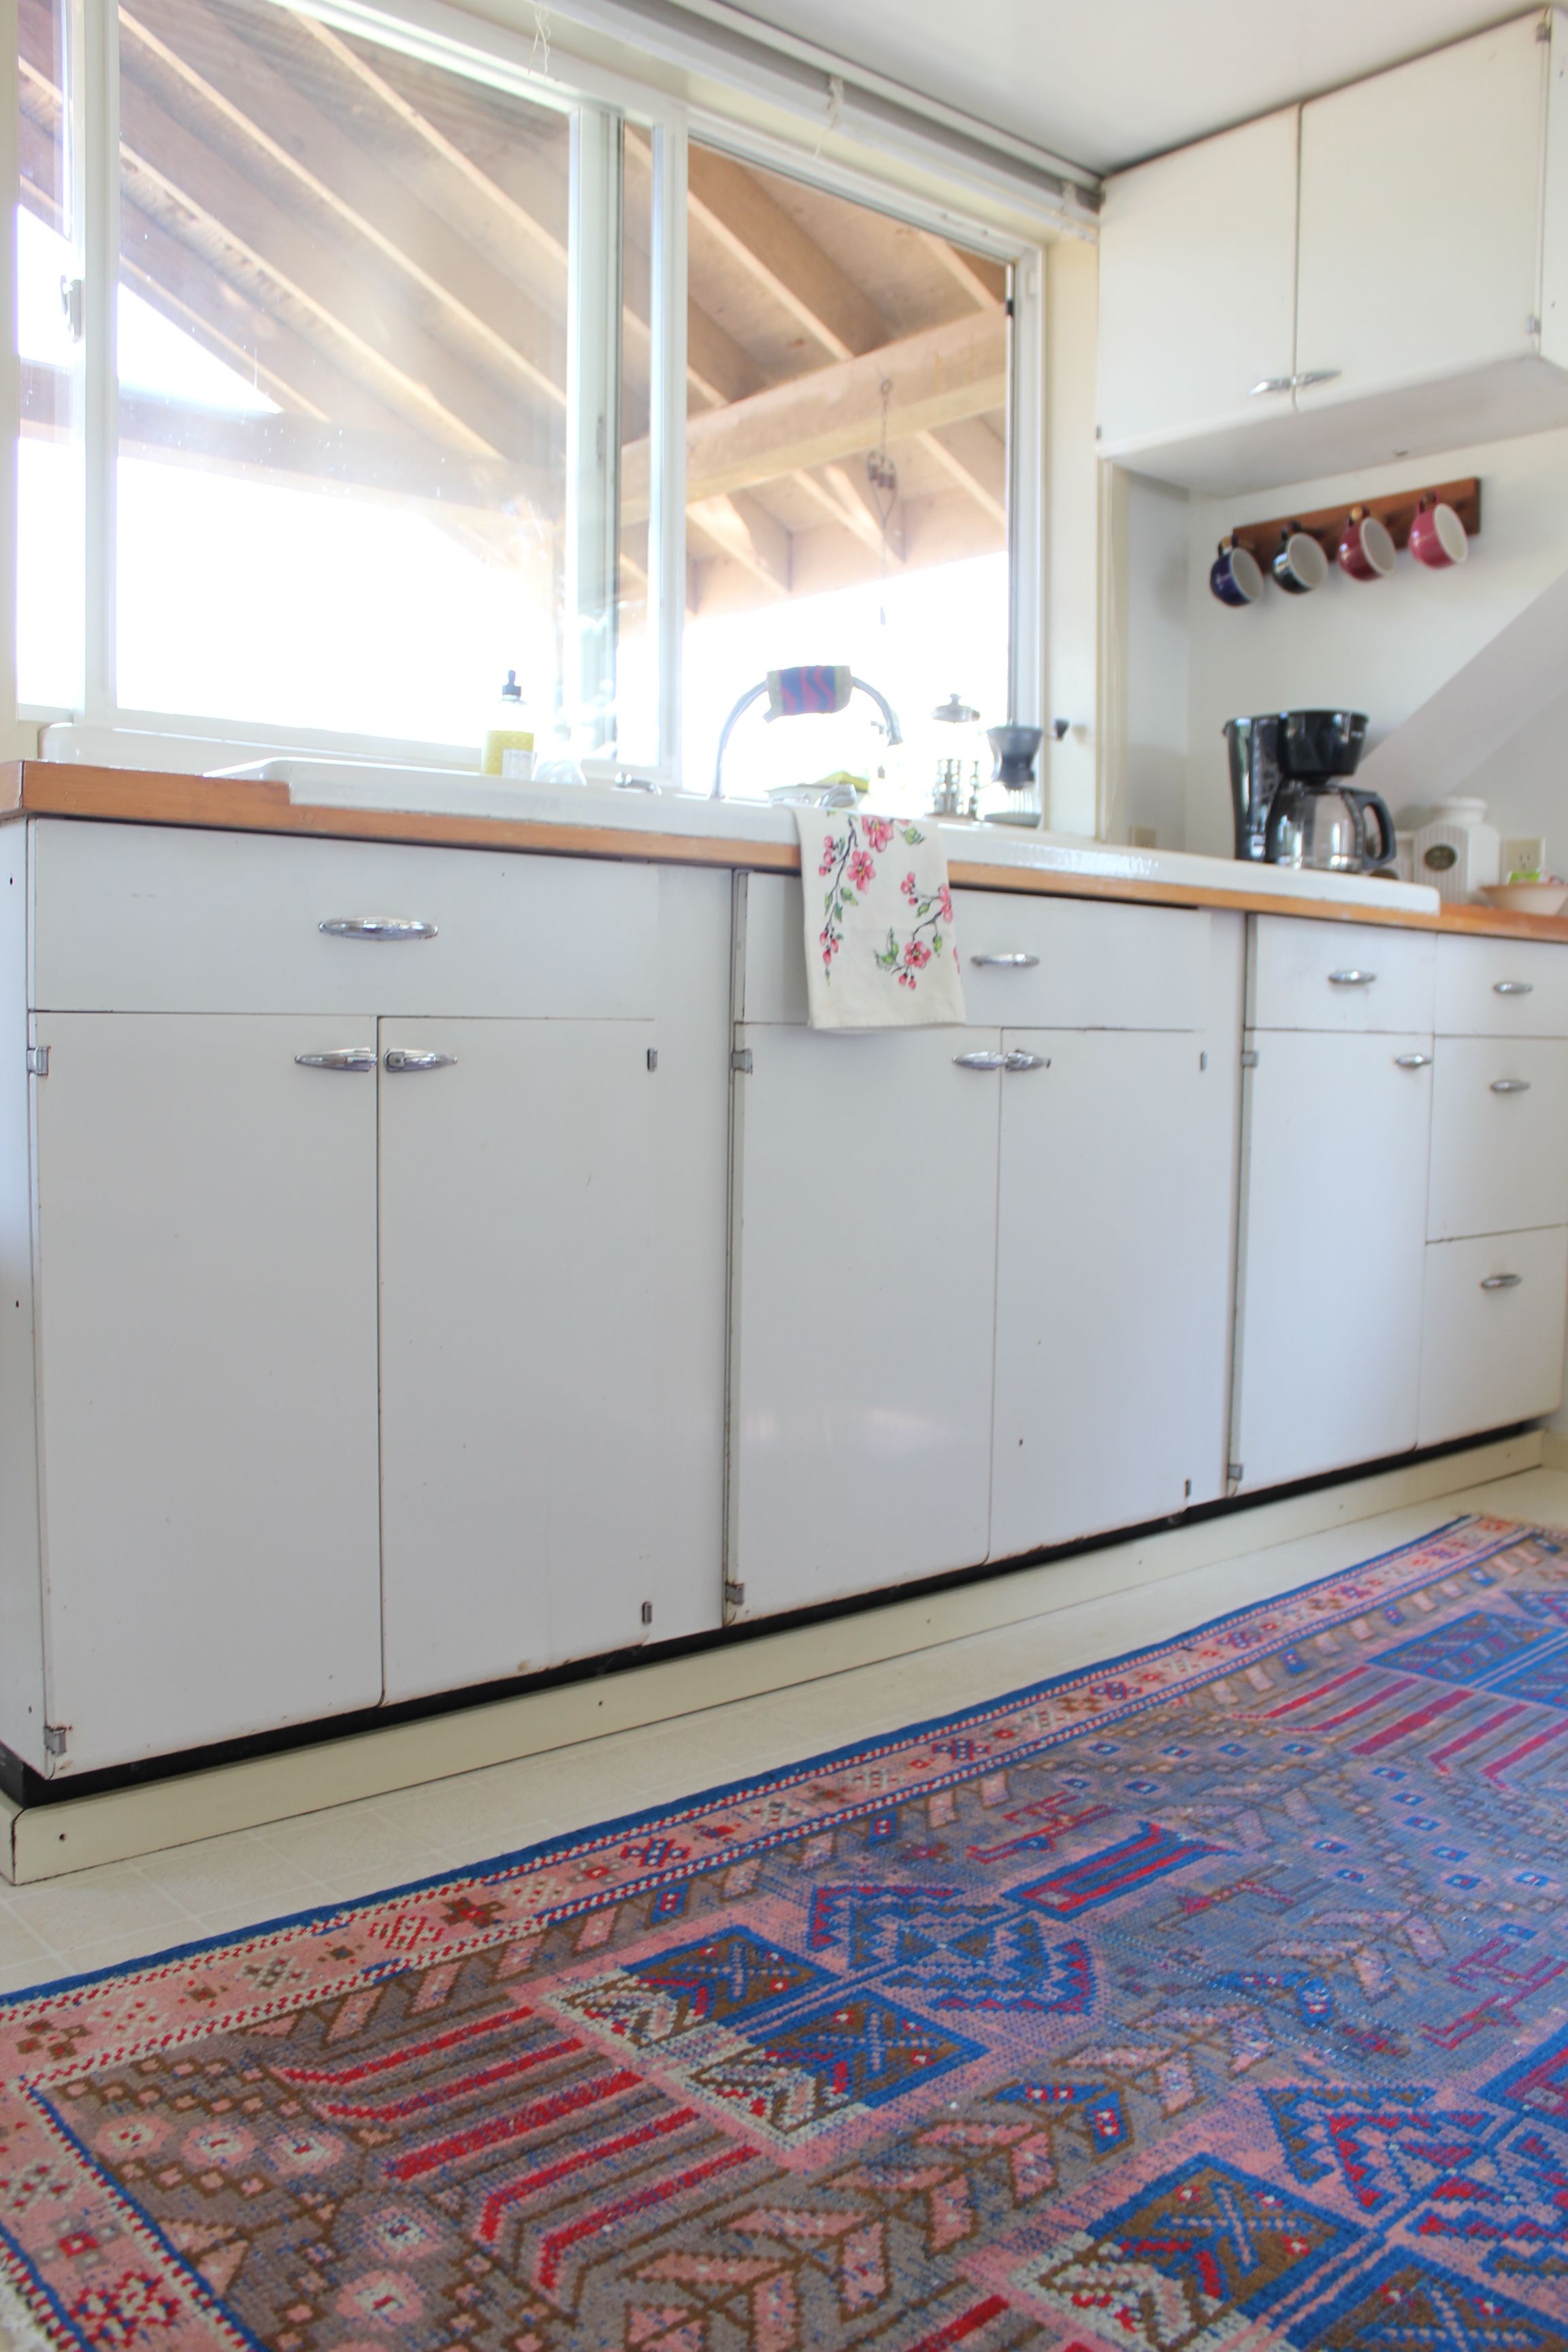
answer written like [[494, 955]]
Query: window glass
[[49, 456], [343, 380], [637, 666], [846, 481]]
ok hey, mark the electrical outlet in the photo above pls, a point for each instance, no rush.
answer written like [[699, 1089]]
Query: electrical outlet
[[1527, 855]]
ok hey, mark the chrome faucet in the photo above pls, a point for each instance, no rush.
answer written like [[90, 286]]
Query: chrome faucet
[[892, 728]]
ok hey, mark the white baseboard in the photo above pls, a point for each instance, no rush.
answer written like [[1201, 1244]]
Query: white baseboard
[[46, 1841]]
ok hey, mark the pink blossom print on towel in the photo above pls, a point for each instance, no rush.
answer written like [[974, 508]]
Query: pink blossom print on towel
[[880, 945]]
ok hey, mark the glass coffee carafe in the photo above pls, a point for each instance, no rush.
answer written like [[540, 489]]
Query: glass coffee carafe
[[1330, 828]]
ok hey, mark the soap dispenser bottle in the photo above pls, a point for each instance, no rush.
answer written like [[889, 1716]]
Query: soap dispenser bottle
[[509, 739]]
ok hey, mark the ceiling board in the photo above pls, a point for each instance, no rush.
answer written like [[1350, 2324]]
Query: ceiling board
[[1106, 86]]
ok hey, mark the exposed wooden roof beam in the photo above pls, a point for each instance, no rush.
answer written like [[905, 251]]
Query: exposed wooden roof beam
[[743, 529], [238, 85], [777, 253], [199, 196], [966, 477], [984, 280], [939, 377]]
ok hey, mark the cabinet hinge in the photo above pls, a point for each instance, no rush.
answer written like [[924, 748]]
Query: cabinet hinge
[[740, 1059], [1235, 1470], [735, 1596], [38, 1061], [648, 1612], [653, 1057], [1249, 1059], [55, 1738]]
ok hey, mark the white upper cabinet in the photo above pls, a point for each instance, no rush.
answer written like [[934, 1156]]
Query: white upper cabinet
[[1418, 259], [1421, 213], [1197, 259]]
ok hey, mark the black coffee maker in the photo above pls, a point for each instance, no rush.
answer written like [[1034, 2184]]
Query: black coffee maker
[[1278, 759]]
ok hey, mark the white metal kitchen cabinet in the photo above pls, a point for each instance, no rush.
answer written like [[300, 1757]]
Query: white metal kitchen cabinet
[[863, 1273], [1197, 275], [1491, 1349], [551, 1253], [1112, 1281], [1332, 1242], [1430, 302], [204, 1254], [1500, 1135], [1412, 274], [519, 1391]]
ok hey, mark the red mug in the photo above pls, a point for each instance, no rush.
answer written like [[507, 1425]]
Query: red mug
[[1365, 549], [1437, 536]]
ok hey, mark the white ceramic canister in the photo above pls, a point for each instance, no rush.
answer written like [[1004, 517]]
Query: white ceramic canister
[[1456, 851]]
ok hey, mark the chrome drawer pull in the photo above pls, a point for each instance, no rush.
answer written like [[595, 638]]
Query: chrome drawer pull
[[341, 1057], [1025, 1061], [376, 927], [398, 1059], [1503, 1281], [1510, 1086], [1351, 979], [1513, 987], [980, 1061], [1018, 961], [1270, 383], [1411, 1061]]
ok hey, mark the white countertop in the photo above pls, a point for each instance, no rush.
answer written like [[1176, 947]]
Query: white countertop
[[329, 783]]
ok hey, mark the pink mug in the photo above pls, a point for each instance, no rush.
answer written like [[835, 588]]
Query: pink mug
[[1365, 549], [1437, 536]]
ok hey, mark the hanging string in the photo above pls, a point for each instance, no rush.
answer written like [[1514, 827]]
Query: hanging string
[[835, 103], [541, 36], [883, 475]]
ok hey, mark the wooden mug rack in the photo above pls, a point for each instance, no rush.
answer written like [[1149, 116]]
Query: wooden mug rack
[[1396, 513]]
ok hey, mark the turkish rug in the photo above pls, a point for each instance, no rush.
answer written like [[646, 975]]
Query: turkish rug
[[1216, 1997]]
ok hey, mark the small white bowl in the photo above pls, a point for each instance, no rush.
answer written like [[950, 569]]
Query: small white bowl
[[1526, 898]]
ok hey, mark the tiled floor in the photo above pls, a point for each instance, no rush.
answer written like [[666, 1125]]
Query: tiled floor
[[65, 1927]]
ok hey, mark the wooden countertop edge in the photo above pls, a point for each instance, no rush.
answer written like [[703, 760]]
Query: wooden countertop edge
[[142, 796]]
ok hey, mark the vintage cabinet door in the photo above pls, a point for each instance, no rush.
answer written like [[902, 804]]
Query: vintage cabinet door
[[1113, 1240], [1412, 268], [1335, 1132], [205, 1238], [520, 1394], [1197, 288], [862, 1289]]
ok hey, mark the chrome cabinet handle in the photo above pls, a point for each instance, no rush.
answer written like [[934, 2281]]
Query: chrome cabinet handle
[[1270, 383], [1503, 1281], [376, 927], [980, 1061], [1025, 1061], [1513, 988], [1410, 1061], [1016, 960], [1351, 979], [341, 1057], [399, 1058], [1316, 375], [1510, 1086]]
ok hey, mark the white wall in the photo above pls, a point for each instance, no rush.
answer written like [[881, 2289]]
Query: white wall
[[1156, 624], [1381, 646]]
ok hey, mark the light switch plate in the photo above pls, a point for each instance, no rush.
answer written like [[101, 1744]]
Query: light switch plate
[[1524, 854]]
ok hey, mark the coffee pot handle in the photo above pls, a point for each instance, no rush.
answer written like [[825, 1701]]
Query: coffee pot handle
[[1387, 844]]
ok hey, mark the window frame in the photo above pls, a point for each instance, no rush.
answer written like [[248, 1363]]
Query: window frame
[[443, 35]]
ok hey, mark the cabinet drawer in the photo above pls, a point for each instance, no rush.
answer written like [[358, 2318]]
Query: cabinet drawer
[[1300, 975], [1501, 988], [1500, 1135], [1092, 966], [1489, 1356], [162, 919]]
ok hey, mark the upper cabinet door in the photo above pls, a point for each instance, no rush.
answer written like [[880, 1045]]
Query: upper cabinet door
[[1197, 285], [1421, 219]]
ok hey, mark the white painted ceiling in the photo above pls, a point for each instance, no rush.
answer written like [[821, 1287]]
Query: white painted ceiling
[[1105, 82]]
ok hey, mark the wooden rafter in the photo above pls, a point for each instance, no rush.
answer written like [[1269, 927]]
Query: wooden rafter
[[249, 100], [944, 376]]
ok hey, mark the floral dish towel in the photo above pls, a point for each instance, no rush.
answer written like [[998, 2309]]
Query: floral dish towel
[[879, 950]]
